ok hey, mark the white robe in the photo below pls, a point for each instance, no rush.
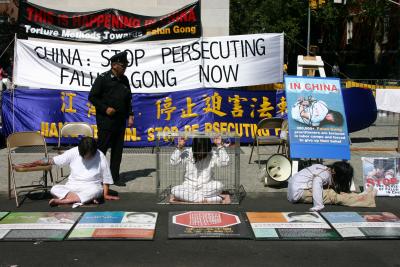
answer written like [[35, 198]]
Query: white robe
[[312, 178], [199, 184], [86, 176], [317, 112]]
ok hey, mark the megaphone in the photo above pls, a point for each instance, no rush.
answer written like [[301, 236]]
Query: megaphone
[[278, 170]]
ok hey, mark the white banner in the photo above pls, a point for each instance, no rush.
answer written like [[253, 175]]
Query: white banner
[[158, 66]]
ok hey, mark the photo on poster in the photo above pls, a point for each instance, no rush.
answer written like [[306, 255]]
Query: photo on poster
[[316, 117], [115, 225], [27, 226], [290, 226], [207, 224], [383, 174], [364, 225]]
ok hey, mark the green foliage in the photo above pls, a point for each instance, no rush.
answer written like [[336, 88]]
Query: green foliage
[[258, 16], [328, 29]]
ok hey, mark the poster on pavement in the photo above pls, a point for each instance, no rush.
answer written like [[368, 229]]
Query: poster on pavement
[[27, 226], [207, 224], [364, 225], [290, 226], [110, 225]]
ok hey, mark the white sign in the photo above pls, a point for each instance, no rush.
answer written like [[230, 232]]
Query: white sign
[[159, 66]]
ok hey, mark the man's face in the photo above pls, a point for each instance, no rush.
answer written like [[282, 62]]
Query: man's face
[[119, 68]]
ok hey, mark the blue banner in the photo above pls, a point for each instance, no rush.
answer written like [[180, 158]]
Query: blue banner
[[209, 110], [317, 119]]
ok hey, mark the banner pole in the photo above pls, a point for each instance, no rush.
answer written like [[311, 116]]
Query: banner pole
[[4, 51]]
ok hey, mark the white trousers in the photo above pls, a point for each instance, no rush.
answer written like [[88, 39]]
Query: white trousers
[[188, 193], [86, 193]]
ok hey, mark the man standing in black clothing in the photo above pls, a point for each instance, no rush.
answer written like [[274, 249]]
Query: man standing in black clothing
[[111, 95]]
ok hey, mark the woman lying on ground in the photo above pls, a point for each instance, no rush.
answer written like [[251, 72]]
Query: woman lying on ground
[[319, 184]]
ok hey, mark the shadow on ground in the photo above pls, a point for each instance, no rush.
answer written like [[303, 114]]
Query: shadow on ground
[[132, 175]]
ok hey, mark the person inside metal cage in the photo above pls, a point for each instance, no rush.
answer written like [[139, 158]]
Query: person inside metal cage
[[199, 160]]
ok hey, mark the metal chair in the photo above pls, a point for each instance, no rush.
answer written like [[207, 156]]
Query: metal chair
[[72, 129], [285, 138], [264, 126], [25, 139]]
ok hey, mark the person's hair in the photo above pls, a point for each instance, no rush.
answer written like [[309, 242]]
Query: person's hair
[[294, 214], [342, 177], [385, 164], [141, 213], [87, 146], [337, 118], [201, 147]]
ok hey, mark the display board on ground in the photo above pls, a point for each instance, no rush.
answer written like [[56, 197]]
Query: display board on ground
[[207, 224], [365, 225], [115, 225], [3, 214], [53, 226], [383, 174], [290, 226]]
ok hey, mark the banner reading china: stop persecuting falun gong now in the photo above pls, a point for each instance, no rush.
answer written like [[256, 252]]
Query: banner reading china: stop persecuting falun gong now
[[159, 66]]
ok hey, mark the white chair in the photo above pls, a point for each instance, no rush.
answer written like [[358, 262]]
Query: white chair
[[72, 129]]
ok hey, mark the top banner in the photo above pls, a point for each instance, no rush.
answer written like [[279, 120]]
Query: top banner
[[109, 25], [154, 67]]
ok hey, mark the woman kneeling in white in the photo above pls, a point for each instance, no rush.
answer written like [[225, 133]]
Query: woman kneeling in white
[[199, 160], [90, 175]]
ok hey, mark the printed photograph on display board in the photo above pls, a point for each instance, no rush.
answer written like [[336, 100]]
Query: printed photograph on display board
[[207, 224], [115, 225], [382, 174], [365, 225], [290, 226], [52, 226], [316, 117]]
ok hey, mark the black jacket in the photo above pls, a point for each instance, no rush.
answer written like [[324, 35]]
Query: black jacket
[[110, 91]]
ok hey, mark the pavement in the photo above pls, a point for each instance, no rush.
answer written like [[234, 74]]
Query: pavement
[[138, 194]]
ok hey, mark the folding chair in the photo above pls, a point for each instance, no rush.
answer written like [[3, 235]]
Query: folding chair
[[284, 136], [25, 139], [265, 125], [72, 129]]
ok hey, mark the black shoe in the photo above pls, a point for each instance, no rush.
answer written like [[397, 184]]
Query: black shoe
[[119, 182]]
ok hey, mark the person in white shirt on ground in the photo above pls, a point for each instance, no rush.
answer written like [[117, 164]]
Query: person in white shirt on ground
[[90, 175], [319, 184], [315, 113], [199, 160]]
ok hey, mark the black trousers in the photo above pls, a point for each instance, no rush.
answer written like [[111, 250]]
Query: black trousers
[[113, 139]]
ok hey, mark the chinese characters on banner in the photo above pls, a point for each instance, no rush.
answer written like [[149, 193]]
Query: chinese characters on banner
[[209, 110]]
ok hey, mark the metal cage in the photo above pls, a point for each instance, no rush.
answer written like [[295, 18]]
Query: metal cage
[[174, 168]]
